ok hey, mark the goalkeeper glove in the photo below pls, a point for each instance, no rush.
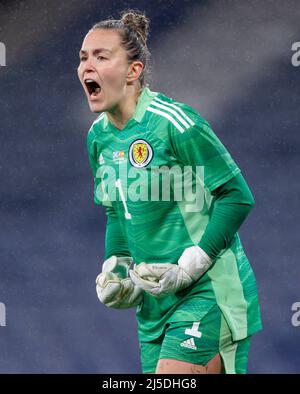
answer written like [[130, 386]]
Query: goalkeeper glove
[[114, 288], [161, 279]]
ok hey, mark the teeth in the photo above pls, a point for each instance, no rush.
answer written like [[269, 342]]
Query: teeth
[[96, 91], [89, 80]]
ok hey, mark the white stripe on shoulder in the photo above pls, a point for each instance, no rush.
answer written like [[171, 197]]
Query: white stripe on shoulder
[[100, 117], [189, 120], [172, 111], [167, 116]]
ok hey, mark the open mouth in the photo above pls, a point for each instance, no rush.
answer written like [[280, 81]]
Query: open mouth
[[93, 87]]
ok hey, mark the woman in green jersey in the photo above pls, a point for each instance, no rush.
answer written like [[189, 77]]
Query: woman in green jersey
[[174, 199]]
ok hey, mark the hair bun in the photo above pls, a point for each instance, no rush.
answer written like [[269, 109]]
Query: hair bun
[[136, 21]]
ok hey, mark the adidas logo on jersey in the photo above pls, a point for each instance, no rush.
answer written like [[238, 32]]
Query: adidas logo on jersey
[[189, 343], [101, 159]]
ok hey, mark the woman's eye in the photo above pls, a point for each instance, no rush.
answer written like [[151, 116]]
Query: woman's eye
[[82, 59], [101, 58]]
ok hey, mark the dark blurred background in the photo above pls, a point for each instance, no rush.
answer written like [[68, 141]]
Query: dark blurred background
[[231, 60]]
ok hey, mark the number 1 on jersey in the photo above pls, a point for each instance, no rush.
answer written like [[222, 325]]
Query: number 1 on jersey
[[119, 187]]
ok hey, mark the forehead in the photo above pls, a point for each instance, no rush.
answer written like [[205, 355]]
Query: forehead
[[102, 38]]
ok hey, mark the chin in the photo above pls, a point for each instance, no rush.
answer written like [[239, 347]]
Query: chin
[[96, 108]]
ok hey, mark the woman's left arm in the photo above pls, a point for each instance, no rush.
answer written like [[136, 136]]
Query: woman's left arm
[[233, 202], [198, 146]]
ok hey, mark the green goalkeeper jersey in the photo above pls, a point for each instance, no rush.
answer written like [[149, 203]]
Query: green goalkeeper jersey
[[156, 178]]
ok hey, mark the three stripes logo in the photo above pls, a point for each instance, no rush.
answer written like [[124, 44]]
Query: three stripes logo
[[189, 343], [171, 112]]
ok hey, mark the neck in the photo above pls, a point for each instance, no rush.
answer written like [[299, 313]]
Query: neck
[[122, 112]]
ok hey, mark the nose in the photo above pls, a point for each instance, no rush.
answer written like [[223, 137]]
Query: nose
[[87, 66]]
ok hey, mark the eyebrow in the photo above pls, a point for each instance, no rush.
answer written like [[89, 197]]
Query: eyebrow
[[94, 51]]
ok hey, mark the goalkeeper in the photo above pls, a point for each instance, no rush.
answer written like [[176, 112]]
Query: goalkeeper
[[181, 263]]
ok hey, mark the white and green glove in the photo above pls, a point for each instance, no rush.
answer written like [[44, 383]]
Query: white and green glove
[[114, 287], [161, 279]]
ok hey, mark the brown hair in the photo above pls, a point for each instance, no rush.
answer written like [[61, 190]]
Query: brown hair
[[134, 29]]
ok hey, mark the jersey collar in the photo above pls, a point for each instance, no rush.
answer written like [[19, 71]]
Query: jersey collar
[[143, 103], [144, 100]]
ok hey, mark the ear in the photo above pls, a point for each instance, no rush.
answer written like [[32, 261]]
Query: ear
[[134, 71]]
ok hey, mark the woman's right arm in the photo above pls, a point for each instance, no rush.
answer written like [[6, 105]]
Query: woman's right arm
[[115, 239]]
